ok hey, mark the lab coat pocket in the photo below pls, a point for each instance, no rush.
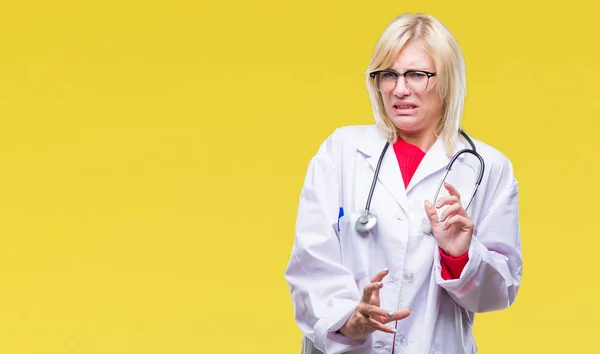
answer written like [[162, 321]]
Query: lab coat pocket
[[354, 247]]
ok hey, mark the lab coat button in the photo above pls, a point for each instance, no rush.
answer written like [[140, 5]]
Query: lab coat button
[[409, 277]]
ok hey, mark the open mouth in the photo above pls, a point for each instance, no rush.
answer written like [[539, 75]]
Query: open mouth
[[405, 106]]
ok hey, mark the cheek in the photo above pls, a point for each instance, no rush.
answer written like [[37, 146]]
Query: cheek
[[387, 101], [432, 102]]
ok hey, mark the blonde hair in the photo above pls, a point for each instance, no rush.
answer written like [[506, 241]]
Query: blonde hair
[[443, 48]]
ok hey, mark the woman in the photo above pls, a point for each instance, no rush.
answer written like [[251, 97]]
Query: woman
[[412, 281]]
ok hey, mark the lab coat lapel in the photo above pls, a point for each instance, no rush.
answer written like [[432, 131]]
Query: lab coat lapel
[[434, 160], [389, 172]]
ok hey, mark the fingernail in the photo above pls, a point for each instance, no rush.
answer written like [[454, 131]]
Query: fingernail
[[390, 314], [394, 330], [386, 270], [441, 217], [445, 227], [380, 284], [439, 204]]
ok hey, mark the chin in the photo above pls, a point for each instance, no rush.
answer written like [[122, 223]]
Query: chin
[[409, 124]]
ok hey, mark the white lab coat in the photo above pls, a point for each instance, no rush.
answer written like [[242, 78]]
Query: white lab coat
[[328, 270]]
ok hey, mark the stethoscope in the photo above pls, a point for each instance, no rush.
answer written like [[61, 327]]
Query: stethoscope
[[367, 220]]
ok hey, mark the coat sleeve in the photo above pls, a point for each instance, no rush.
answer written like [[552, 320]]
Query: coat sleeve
[[491, 278], [324, 293]]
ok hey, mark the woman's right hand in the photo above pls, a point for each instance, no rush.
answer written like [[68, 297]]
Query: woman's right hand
[[368, 316]]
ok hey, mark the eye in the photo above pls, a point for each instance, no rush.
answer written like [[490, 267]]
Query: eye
[[388, 74], [416, 75]]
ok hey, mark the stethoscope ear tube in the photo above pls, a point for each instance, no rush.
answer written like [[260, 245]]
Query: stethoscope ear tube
[[368, 220], [449, 167], [368, 206]]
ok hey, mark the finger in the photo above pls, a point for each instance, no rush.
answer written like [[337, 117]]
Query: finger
[[431, 213], [378, 311], [453, 209], [447, 201], [368, 291], [375, 298], [380, 326], [450, 188], [379, 276], [363, 309], [373, 311], [458, 220], [397, 315]]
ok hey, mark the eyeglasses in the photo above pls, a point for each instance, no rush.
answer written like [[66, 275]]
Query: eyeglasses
[[415, 80]]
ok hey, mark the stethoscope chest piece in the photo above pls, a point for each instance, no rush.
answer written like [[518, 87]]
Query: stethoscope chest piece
[[365, 222]]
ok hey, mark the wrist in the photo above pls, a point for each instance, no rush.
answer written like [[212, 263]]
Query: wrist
[[340, 330], [456, 249], [348, 330], [454, 253]]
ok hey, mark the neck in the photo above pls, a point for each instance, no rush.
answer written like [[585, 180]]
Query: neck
[[423, 140]]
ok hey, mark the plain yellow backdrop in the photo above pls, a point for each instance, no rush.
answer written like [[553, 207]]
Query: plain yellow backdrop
[[152, 155]]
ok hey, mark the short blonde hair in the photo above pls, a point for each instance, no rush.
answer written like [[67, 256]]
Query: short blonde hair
[[443, 48]]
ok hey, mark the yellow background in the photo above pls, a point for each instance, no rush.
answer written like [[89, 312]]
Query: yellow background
[[152, 155]]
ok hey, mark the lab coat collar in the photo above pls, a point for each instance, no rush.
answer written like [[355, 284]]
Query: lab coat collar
[[390, 176]]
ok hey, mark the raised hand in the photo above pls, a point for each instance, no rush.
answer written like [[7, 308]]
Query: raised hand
[[368, 316], [453, 229]]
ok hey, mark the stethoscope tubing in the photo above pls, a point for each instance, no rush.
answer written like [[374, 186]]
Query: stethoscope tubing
[[367, 220]]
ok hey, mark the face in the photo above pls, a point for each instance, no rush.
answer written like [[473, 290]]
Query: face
[[416, 107]]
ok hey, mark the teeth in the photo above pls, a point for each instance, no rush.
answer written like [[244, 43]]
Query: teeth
[[404, 107]]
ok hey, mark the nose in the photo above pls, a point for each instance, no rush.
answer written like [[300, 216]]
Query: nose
[[401, 89]]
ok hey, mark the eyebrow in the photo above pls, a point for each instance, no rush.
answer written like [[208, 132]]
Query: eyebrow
[[411, 69]]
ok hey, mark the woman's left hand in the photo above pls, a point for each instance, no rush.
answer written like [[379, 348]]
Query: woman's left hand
[[453, 229]]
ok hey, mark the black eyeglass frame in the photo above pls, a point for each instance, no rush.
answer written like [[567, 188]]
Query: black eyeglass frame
[[429, 75]]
